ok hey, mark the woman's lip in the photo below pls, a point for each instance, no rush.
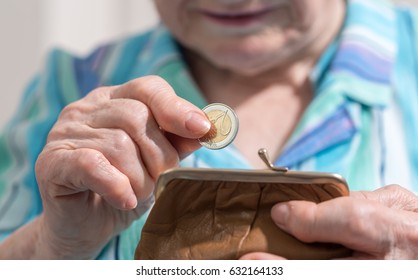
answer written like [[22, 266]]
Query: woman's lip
[[235, 13], [236, 18]]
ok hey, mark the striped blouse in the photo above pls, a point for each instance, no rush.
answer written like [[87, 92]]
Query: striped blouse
[[362, 123]]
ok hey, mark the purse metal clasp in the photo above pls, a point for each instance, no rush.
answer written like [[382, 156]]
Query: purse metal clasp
[[266, 159]]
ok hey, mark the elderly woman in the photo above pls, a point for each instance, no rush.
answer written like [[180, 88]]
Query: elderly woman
[[323, 85]]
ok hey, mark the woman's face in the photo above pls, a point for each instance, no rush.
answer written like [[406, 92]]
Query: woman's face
[[250, 36]]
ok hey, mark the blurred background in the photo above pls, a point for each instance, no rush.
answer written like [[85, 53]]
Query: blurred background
[[30, 28]]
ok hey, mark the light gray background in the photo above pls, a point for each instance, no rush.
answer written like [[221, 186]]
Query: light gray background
[[29, 28]]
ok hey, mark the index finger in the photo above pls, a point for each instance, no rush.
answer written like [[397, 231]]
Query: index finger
[[172, 113]]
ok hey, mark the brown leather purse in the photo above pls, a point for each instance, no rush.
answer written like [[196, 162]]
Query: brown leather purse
[[225, 213]]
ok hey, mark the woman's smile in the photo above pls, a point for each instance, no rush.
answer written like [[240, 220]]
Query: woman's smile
[[237, 18]]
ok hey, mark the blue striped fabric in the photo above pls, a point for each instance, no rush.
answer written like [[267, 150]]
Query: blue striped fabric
[[362, 123]]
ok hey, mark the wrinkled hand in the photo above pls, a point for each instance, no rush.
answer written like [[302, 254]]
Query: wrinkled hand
[[97, 171], [377, 225]]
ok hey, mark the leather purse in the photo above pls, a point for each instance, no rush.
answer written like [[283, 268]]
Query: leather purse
[[225, 213]]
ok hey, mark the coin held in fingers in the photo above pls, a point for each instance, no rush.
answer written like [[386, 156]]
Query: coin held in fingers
[[224, 126]]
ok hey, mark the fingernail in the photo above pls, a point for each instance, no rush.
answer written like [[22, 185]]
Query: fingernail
[[197, 123], [132, 202], [280, 214]]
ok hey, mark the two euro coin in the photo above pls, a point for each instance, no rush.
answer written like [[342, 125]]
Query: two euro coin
[[224, 126]]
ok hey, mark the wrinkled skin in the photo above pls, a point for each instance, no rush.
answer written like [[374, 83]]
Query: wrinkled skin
[[376, 225], [97, 171], [289, 31]]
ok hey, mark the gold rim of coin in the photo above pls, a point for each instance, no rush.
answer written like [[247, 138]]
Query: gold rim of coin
[[224, 126]]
